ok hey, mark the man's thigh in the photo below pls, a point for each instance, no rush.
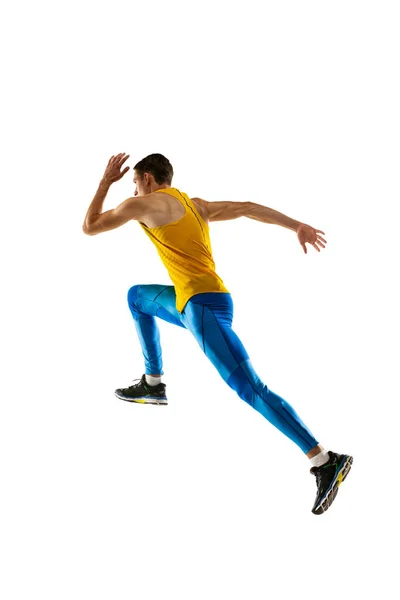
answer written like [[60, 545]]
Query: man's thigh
[[209, 319], [159, 301]]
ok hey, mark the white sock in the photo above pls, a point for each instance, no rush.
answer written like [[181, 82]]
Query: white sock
[[153, 380], [320, 458]]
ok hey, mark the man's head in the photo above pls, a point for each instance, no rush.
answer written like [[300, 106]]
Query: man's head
[[152, 173]]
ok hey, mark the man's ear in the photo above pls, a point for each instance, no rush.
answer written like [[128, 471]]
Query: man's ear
[[149, 178]]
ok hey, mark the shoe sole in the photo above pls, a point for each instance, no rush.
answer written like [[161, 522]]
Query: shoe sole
[[333, 489], [159, 401]]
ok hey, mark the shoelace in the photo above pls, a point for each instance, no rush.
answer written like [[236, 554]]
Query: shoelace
[[136, 384]]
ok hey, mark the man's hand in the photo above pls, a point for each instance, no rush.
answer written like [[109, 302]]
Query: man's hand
[[307, 234], [112, 172]]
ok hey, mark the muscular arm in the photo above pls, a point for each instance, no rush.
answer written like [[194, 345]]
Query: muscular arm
[[224, 211], [269, 215]]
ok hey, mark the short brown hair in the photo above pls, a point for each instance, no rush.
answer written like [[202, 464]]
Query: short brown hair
[[158, 166]]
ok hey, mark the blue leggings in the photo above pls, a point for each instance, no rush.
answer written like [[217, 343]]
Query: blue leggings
[[209, 318]]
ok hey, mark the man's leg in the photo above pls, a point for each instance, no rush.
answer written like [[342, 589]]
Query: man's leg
[[209, 318], [145, 303]]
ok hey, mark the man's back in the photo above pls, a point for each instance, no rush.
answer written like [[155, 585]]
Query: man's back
[[169, 210], [181, 236]]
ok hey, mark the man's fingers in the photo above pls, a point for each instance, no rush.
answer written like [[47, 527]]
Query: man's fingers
[[119, 156], [319, 237]]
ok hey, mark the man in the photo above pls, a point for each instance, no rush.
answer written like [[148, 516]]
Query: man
[[199, 300]]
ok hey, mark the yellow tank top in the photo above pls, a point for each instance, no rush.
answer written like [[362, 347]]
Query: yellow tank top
[[184, 247]]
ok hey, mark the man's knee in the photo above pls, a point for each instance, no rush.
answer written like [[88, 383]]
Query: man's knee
[[133, 293]]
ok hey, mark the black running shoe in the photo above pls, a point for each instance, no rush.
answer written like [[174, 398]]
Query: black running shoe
[[143, 393], [329, 477]]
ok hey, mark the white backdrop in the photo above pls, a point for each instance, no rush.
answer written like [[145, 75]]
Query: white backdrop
[[293, 105]]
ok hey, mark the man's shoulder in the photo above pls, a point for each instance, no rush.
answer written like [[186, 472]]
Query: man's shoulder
[[202, 207], [200, 202]]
